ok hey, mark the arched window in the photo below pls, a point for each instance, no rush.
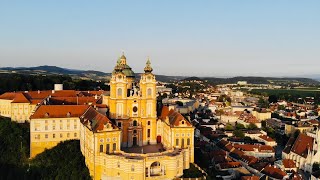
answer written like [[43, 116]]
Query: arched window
[[119, 93], [101, 148], [149, 92], [114, 146], [177, 142], [132, 168], [188, 141], [135, 123]]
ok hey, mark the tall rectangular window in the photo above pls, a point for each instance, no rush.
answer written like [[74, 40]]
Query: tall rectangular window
[[149, 109], [119, 109], [101, 148], [148, 134], [108, 148], [114, 146]]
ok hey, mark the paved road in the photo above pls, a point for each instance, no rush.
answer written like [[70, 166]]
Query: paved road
[[305, 175]]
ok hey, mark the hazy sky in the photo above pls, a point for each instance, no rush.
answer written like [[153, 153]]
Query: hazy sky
[[202, 38]]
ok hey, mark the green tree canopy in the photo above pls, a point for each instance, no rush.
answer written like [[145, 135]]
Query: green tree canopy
[[240, 126], [238, 133], [252, 126], [228, 127]]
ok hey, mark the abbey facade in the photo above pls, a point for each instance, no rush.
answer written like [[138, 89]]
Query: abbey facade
[[134, 142]]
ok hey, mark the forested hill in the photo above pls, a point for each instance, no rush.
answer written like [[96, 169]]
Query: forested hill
[[54, 70], [22, 82], [102, 76], [255, 80]]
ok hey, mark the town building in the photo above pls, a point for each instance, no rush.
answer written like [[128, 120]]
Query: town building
[[304, 150]]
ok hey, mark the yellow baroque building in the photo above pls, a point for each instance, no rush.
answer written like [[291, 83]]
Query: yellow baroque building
[[135, 143]]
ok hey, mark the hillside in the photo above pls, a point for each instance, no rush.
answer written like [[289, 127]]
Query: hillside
[[257, 80], [82, 74], [54, 70], [98, 75]]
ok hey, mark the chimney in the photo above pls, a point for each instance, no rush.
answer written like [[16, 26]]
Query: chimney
[[38, 91], [52, 91], [95, 96]]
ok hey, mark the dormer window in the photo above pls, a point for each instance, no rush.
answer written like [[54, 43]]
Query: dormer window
[[46, 115], [68, 114], [182, 122], [106, 126]]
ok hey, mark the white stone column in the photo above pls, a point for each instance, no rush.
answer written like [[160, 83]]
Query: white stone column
[[148, 171]]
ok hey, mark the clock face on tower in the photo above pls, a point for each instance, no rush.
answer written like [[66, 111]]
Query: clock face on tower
[[135, 109]]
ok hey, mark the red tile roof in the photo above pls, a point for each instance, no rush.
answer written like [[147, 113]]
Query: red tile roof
[[64, 93], [8, 95], [274, 172], [250, 178], [20, 98], [266, 138], [302, 145], [288, 163], [59, 111], [175, 118], [289, 145], [251, 147], [249, 159], [164, 112], [39, 94], [228, 165], [295, 176], [96, 120], [73, 100]]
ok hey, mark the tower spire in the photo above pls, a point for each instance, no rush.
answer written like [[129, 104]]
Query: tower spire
[[123, 59], [148, 68]]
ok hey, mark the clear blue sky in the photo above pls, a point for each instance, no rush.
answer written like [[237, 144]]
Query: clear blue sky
[[202, 38]]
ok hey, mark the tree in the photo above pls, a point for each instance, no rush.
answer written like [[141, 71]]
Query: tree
[[228, 127], [315, 167], [263, 103], [252, 126], [281, 107], [240, 126], [263, 124], [179, 103], [273, 99], [238, 133], [64, 161]]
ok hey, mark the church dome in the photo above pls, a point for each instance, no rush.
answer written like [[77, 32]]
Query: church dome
[[128, 71]]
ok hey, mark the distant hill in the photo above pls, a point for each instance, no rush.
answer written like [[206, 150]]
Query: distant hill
[[256, 80], [54, 70], [98, 75], [82, 74]]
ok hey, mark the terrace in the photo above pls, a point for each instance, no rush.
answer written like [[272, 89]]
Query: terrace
[[152, 148]]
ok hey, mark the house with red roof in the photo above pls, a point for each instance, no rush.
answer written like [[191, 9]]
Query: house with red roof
[[304, 150]]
